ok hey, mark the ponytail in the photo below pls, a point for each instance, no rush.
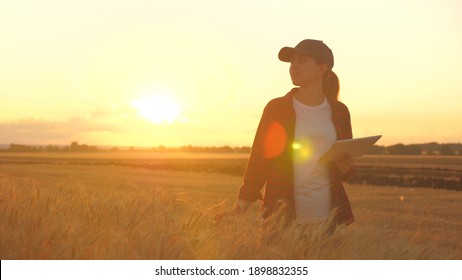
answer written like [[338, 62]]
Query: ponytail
[[331, 86]]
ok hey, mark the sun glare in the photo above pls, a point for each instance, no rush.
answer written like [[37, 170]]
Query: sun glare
[[157, 108]]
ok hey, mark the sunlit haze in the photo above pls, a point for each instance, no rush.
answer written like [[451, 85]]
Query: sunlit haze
[[149, 73], [157, 108]]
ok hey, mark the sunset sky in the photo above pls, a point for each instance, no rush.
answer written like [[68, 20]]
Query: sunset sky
[[149, 73]]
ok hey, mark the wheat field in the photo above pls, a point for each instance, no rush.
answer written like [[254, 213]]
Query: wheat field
[[66, 211]]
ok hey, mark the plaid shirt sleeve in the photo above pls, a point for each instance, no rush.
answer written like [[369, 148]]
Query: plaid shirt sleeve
[[346, 133], [258, 167]]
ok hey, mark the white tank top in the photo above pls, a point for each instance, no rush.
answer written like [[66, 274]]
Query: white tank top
[[314, 135]]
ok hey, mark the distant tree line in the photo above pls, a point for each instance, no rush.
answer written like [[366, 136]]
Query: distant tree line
[[432, 148], [199, 149], [75, 147]]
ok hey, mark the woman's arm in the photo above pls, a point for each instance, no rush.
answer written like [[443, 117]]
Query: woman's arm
[[346, 167], [258, 166], [346, 164]]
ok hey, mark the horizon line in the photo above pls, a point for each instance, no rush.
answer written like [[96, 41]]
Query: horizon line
[[201, 146]]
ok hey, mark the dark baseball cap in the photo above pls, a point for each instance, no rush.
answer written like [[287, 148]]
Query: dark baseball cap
[[309, 47]]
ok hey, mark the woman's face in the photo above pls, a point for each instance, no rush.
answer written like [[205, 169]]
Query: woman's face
[[305, 70]]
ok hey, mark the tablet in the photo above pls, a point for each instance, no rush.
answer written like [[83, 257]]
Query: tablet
[[354, 147]]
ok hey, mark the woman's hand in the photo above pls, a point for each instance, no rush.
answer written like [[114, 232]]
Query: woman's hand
[[345, 164], [241, 206]]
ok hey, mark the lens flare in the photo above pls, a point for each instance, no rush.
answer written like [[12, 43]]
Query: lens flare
[[303, 150], [275, 140]]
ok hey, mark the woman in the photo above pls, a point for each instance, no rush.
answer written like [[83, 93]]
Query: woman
[[294, 132]]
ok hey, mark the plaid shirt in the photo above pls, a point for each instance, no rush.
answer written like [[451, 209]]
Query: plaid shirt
[[271, 159]]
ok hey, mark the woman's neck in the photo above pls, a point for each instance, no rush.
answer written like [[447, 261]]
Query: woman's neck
[[311, 95]]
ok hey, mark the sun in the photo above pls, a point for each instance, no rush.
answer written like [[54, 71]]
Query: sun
[[157, 108]]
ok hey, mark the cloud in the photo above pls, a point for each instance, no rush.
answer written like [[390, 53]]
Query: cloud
[[36, 131]]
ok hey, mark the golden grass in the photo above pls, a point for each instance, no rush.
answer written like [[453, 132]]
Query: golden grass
[[78, 212]]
